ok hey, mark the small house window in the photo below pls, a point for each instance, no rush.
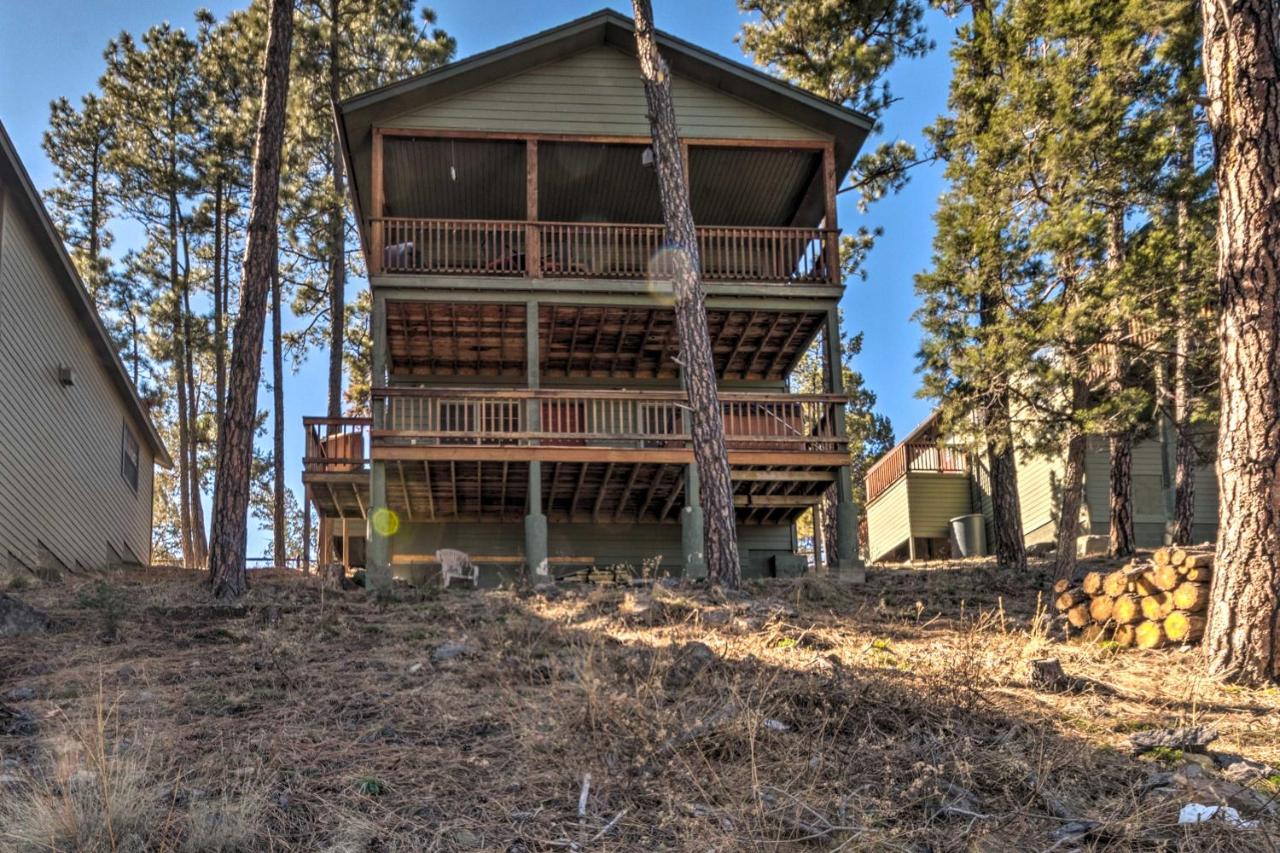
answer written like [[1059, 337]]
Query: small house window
[[129, 457]]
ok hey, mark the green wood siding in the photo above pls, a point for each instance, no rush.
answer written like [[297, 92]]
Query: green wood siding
[[1040, 495], [936, 499], [888, 520], [60, 482], [596, 92]]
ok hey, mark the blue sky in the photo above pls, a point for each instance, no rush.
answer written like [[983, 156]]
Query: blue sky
[[50, 48]]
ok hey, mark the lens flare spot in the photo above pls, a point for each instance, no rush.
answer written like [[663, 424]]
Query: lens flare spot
[[385, 522]]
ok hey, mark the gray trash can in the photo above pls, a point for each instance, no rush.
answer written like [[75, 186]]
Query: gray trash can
[[969, 535]]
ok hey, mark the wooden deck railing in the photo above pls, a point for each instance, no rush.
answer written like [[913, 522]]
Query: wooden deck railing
[[929, 457], [625, 419], [336, 444], [595, 250]]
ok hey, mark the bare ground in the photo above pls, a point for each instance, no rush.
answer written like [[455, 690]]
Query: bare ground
[[891, 716]]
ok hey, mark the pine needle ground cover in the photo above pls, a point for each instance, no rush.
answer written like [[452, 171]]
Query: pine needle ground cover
[[804, 714]]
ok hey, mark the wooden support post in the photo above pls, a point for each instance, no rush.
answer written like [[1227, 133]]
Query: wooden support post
[[831, 241], [379, 210], [533, 236], [535, 522], [380, 522], [691, 526], [535, 529], [846, 560]]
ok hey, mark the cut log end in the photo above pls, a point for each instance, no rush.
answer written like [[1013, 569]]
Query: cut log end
[[1182, 627]]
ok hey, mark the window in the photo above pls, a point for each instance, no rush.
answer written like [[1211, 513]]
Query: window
[[129, 457]]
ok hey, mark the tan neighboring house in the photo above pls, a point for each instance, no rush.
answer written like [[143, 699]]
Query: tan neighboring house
[[77, 448], [916, 489]]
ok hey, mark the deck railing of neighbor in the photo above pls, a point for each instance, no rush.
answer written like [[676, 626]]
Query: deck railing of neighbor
[[596, 250], [904, 458]]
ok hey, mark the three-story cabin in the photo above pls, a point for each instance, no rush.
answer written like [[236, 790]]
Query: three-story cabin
[[526, 392]]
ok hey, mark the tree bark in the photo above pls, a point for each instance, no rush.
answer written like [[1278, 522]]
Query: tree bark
[[1006, 508], [219, 334], [1064, 559], [235, 453], [199, 541], [1184, 471], [277, 392], [1120, 442], [680, 260], [1120, 480], [180, 386], [337, 229], [1241, 51]]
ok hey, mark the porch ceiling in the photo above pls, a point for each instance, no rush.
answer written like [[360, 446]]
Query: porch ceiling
[[438, 178], [436, 339], [592, 492]]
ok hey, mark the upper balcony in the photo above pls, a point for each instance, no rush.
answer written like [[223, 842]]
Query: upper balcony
[[501, 206]]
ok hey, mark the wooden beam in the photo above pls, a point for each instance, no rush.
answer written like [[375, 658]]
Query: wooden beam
[[670, 456], [404, 487], [676, 490], [626, 492], [786, 345], [622, 337], [653, 488], [775, 500], [453, 484], [785, 476], [379, 203], [598, 138], [532, 240], [829, 181], [604, 483], [502, 500], [764, 341], [751, 321], [431, 498], [577, 490]]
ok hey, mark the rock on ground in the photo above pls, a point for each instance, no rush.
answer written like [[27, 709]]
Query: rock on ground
[[17, 617]]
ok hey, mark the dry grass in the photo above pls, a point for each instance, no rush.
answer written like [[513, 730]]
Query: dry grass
[[892, 716]]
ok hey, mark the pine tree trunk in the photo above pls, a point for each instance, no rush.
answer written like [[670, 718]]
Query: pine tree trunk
[[235, 453], [1064, 558], [1242, 76], [219, 334], [1121, 492], [183, 460], [199, 541], [337, 230], [1120, 480], [680, 257], [1006, 508], [1184, 472], [277, 391]]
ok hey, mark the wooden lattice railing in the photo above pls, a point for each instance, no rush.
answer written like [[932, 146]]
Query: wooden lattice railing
[[595, 250]]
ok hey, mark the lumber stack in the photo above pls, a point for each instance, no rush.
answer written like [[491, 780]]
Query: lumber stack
[[1148, 603]]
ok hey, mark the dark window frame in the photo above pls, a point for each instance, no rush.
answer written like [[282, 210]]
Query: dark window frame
[[130, 457]]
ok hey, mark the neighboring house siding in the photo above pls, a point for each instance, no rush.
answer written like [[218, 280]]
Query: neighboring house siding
[[609, 544], [60, 482], [596, 92], [936, 499], [1039, 495], [888, 520]]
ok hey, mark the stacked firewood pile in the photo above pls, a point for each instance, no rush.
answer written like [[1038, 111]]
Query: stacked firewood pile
[[1148, 603]]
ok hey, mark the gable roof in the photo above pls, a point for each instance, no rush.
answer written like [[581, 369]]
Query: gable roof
[[27, 200], [356, 116]]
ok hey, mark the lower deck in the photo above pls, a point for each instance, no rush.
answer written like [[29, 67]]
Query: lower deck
[[587, 492]]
